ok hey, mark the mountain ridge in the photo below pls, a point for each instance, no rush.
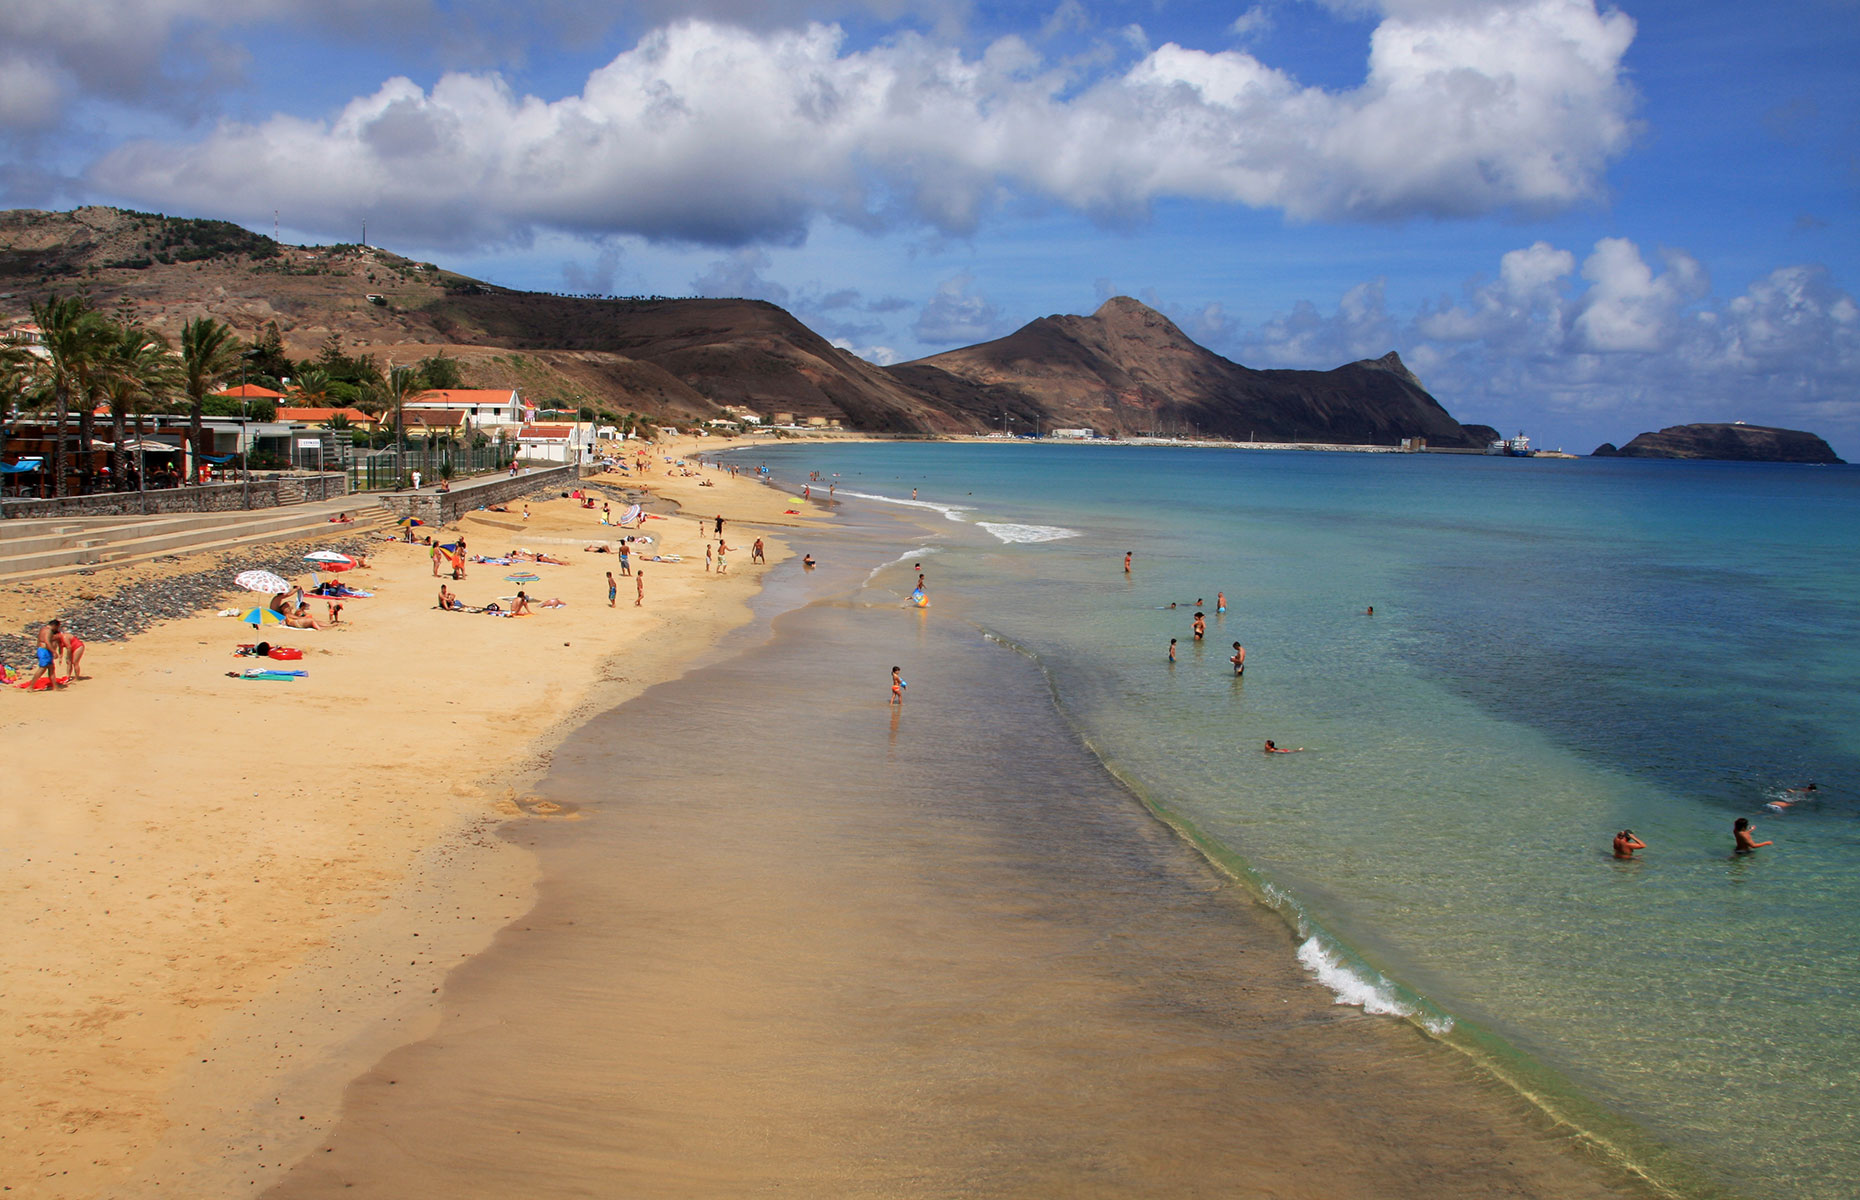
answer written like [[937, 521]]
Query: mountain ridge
[[1125, 369]]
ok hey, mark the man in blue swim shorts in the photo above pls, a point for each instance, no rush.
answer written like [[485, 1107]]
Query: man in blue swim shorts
[[48, 638]]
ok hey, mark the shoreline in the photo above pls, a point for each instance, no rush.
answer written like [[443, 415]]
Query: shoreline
[[235, 872], [958, 957]]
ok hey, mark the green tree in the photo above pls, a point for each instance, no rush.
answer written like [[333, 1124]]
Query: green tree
[[441, 372], [401, 383], [209, 354], [139, 374], [311, 386], [74, 336], [267, 358]]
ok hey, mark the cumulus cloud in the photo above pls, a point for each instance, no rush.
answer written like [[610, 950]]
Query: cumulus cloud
[[725, 135], [955, 316], [1610, 346], [740, 276]]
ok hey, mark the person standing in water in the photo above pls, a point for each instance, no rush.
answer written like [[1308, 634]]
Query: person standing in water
[[1626, 843], [1172, 650], [897, 686], [1745, 835], [1126, 562], [1239, 660], [1220, 602], [1201, 626]]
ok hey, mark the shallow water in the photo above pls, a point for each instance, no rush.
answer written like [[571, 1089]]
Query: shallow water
[[797, 940], [1560, 650]]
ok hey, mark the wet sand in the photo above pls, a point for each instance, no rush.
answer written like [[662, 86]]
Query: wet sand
[[800, 942]]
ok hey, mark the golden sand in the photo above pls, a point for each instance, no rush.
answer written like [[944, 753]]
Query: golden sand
[[211, 885]]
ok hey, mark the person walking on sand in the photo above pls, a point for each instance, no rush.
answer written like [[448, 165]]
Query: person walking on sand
[[1238, 660], [1626, 843], [639, 583], [897, 686], [1744, 834], [719, 524], [458, 563], [707, 556], [723, 564], [626, 566], [436, 554], [755, 552], [613, 589]]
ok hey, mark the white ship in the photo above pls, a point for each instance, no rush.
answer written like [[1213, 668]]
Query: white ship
[[1517, 447]]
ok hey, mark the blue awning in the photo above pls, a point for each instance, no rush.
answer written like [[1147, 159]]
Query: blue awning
[[214, 458], [22, 466]]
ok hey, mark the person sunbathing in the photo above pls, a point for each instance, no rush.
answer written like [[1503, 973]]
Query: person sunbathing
[[553, 602], [302, 619]]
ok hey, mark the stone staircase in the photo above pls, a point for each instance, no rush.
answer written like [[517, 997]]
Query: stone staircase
[[39, 547]]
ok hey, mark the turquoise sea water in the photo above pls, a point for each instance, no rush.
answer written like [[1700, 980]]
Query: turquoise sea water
[[1559, 650]]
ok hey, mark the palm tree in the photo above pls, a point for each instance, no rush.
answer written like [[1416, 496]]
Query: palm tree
[[209, 354], [401, 383], [138, 369], [312, 387], [72, 334]]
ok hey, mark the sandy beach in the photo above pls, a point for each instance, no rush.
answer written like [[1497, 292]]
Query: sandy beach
[[226, 898]]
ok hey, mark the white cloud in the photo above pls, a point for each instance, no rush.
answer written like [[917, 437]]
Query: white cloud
[[956, 317], [739, 276], [719, 134], [1359, 328], [1609, 349]]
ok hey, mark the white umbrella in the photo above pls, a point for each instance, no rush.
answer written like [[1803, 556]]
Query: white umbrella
[[327, 556], [262, 581]]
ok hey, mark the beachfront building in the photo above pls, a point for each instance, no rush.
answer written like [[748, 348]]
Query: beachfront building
[[1082, 434], [320, 418], [565, 442], [492, 410]]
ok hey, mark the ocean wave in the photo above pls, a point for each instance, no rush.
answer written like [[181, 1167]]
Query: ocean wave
[[952, 511], [1363, 988], [1008, 532]]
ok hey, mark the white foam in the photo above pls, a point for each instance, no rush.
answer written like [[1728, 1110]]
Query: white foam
[[1373, 994], [952, 511], [1027, 533]]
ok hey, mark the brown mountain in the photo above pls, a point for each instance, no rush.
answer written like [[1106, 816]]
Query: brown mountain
[[1736, 441], [1127, 369]]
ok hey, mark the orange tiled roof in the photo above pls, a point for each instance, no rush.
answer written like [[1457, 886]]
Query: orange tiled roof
[[355, 415], [462, 396], [250, 391], [434, 418], [552, 432]]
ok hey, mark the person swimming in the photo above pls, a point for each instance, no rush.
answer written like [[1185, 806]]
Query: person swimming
[[1272, 748]]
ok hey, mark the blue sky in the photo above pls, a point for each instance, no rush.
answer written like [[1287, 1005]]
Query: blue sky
[[1576, 220]]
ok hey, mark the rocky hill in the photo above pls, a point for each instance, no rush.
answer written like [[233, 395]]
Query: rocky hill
[[1126, 369], [1736, 442]]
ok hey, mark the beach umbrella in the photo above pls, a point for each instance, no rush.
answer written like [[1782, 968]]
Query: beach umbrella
[[262, 581], [523, 578], [262, 616], [328, 556], [410, 521]]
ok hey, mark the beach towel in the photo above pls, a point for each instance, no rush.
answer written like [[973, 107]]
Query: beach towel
[[260, 673]]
